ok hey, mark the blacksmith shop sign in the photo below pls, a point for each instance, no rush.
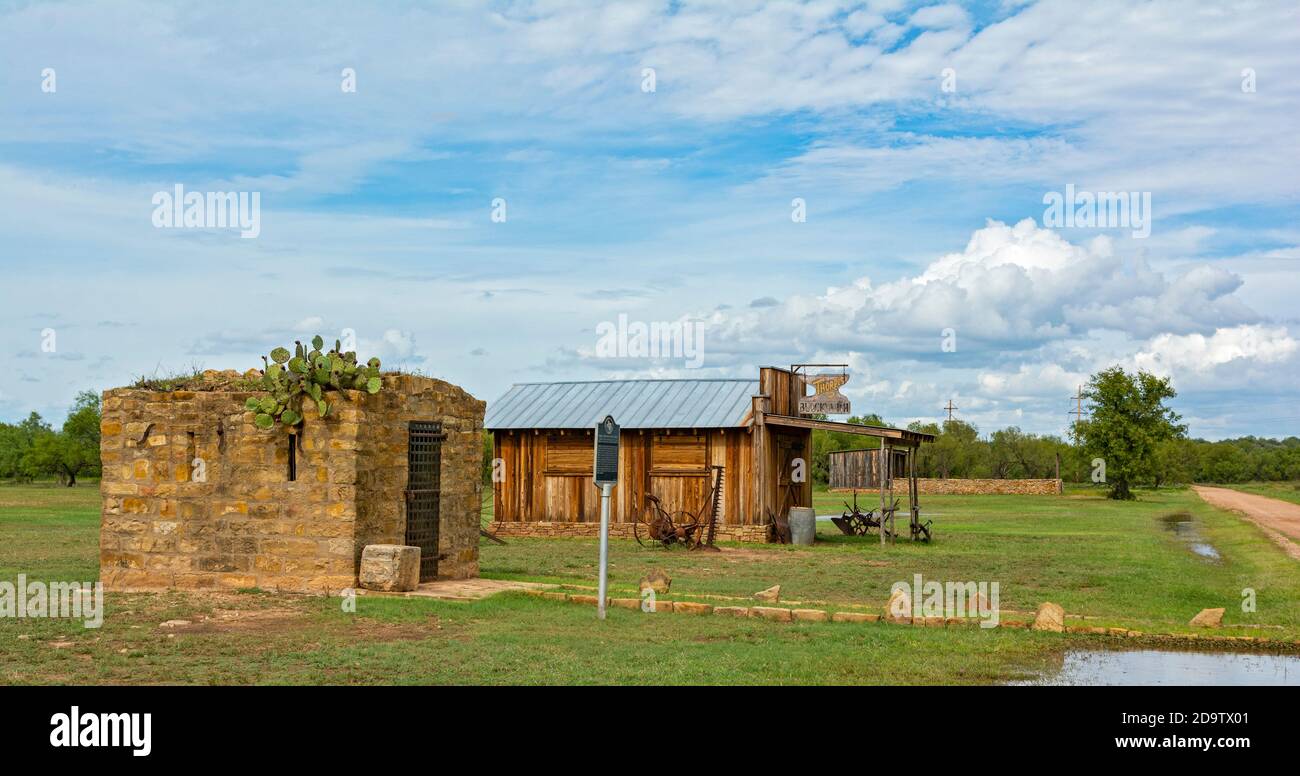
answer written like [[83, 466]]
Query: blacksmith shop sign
[[827, 400]]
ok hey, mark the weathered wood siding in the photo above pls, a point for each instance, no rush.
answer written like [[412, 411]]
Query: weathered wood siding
[[775, 450], [848, 469], [547, 475]]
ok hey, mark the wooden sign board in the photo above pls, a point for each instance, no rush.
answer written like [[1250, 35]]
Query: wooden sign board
[[606, 460], [828, 400]]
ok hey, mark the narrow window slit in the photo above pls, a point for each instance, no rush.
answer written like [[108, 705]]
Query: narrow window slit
[[293, 457]]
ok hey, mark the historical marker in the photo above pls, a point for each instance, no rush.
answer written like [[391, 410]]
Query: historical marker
[[606, 468], [605, 475]]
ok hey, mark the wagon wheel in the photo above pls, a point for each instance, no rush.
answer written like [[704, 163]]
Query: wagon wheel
[[647, 523], [636, 531], [654, 525], [664, 527]]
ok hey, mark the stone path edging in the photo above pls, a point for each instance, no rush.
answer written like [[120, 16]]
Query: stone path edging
[[783, 614]]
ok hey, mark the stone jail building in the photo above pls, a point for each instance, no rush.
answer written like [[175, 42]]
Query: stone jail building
[[196, 496]]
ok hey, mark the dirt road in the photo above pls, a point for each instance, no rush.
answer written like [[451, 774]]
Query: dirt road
[[1279, 519]]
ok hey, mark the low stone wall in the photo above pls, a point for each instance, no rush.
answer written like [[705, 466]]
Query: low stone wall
[[964, 487], [726, 533]]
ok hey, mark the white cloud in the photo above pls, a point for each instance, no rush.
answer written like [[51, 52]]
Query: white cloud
[[1031, 381], [1013, 288], [1034, 316], [940, 17], [395, 348], [1172, 354]]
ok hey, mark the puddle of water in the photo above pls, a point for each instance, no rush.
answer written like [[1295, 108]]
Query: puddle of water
[[1184, 527], [1152, 667]]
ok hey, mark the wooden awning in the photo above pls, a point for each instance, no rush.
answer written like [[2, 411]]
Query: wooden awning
[[896, 436]]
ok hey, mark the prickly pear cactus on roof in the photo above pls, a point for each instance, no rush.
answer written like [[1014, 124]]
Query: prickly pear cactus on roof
[[290, 378]]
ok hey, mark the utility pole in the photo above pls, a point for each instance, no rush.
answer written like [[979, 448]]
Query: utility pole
[[1078, 406], [950, 408]]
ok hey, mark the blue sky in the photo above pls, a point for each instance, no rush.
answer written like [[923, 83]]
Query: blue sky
[[924, 203]]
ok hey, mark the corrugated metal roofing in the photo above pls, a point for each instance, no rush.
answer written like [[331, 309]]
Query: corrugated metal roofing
[[633, 403]]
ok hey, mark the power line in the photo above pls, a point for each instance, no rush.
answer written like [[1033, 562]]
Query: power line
[[950, 408]]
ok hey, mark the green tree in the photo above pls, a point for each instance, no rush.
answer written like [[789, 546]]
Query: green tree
[[826, 442], [1005, 451], [487, 458], [12, 449], [1128, 422], [1226, 462], [74, 450], [1175, 462], [925, 453], [958, 450], [16, 442]]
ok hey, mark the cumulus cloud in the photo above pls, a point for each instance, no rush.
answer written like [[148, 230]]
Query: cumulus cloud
[[1170, 354], [1031, 381], [1033, 315], [394, 348], [939, 17], [1013, 288]]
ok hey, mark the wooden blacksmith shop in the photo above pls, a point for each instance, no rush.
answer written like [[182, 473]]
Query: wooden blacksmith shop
[[735, 448]]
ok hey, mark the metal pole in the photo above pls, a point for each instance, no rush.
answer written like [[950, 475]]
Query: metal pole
[[604, 547]]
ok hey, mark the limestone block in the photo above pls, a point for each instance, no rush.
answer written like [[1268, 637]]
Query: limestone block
[[1050, 617], [899, 607], [657, 580], [854, 617], [1208, 618], [390, 567], [771, 613], [810, 615]]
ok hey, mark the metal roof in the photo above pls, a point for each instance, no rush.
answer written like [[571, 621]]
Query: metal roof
[[633, 403]]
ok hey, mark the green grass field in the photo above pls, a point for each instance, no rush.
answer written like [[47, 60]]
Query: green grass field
[[1286, 491], [1115, 563]]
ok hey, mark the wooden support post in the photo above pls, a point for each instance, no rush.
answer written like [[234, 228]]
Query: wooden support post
[[913, 491], [760, 485], [893, 513], [882, 467]]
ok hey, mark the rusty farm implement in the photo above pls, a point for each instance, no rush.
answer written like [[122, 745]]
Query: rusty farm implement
[[695, 530]]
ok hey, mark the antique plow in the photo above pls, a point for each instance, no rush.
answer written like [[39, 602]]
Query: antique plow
[[695, 530], [855, 522]]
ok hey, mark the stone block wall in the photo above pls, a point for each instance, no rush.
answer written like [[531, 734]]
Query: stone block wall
[[234, 520], [381, 476], [974, 487]]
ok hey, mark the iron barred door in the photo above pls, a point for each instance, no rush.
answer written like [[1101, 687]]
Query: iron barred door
[[423, 484]]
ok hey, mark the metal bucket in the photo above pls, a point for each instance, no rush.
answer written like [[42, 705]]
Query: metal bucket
[[803, 525]]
